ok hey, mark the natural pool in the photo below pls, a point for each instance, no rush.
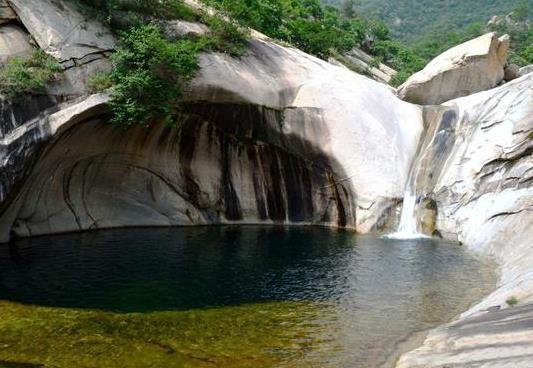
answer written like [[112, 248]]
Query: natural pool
[[226, 297]]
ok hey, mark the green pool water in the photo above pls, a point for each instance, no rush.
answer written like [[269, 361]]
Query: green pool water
[[227, 297]]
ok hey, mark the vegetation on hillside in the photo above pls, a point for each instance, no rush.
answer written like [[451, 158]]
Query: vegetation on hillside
[[22, 76], [411, 20], [150, 69], [323, 31], [517, 25], [431, 27]]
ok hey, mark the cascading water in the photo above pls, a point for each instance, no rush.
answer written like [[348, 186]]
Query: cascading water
[[408, 228], [408, 224], [433, 151]]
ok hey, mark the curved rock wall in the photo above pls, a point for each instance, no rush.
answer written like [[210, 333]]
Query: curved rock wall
[[274, 136]]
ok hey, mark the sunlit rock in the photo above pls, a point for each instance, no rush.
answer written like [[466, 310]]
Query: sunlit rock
[[61, 30], [485, 200], [14, 43], [471, 67]]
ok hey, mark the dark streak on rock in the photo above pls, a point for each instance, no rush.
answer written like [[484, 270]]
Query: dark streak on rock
[[341, 213], [187, 146], [258, 180], [228, 194], [67, 180]]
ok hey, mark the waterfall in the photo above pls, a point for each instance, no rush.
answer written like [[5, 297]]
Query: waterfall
[[433, 151], [408, 228]]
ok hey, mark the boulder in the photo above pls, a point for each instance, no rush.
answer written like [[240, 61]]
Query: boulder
[[471, 67], [14, 42], [61, 30], [180, 28], [511, 71]]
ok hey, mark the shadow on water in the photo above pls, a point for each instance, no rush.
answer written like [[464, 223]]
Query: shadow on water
[[143, 270]]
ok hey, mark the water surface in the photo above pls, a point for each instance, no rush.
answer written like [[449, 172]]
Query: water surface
[[227, 297]]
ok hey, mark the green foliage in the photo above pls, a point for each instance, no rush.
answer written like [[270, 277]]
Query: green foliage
[[411, 20], [303, 23], [399, 57], [100, 82], [348, 8], [225, 36], [512, 301], [523, 11], [122, 14], [28, 76], [434, 44], [148, 74], [149, 70]]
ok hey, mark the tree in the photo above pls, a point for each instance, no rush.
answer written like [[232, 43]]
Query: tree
[[348, 8], [522, 11]]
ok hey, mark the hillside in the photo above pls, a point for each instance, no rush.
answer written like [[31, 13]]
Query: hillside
[[411, 20]]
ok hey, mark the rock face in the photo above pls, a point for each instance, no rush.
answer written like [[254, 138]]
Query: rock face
[[61, 30], [511, 72], [361, 62], [525, 70], [471, 67], [485, 200], [276, 136], [14, 42], [7, 14], [80, 44]]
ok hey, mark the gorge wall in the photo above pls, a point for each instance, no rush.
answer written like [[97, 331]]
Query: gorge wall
[[276, 136], [483, 197]]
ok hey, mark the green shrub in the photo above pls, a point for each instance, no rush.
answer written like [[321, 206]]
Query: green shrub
[[28, 76], [399, 57], [100, 82], [225, 36], [141, 10], [512, 301], [148, 74]]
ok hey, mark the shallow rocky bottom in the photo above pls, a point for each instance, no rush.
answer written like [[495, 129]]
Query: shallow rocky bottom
[[227, 297]]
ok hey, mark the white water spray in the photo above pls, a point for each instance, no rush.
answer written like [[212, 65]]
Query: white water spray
[[408, 223]]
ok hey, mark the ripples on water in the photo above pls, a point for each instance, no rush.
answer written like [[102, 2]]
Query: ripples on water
[[259, 296]]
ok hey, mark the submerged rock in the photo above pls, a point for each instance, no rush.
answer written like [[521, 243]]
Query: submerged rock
[[471, 67]]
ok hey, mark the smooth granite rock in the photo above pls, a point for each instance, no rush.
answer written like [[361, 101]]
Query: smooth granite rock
[[61, 30], [525, 70], [485, 200], [14, 43], [471, 67], [7, 15], [276, 136]]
